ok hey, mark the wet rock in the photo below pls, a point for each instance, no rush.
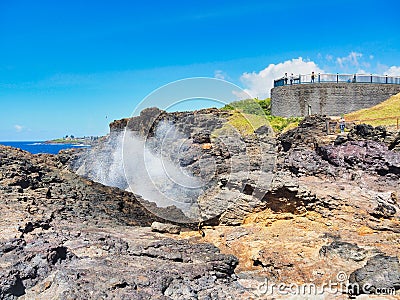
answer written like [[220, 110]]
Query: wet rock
[[200, 147], [165, 228]]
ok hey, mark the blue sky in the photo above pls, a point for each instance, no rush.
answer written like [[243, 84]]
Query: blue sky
[[71, 67]]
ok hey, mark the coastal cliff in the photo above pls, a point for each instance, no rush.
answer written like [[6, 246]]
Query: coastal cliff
[[299, 208]]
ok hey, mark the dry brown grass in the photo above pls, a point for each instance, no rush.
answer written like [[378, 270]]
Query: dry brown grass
[[386, 113]]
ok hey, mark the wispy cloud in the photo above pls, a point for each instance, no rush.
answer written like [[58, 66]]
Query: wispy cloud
[[18, 128], [219, 74], [351, 60], [356, 62]]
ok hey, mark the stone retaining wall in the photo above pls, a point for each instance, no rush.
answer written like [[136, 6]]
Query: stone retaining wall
[[328, 98]]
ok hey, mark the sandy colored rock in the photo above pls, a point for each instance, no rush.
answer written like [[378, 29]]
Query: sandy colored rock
[[165, 228]]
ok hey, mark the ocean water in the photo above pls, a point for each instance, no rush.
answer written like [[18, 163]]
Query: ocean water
[[41, 147]]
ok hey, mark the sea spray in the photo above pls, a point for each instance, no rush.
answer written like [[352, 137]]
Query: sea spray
[[156, 178], [150, 167], [104, 163]]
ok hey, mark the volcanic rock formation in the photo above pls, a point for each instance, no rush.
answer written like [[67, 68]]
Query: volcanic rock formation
[[308, 208]]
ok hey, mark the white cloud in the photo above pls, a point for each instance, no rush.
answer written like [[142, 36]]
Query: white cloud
[[18, 128], [351, 60], [219, 74], [393, 71], [259, 85]]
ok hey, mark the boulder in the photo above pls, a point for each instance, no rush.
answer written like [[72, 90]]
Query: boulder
[[380, 273], [165, 228]]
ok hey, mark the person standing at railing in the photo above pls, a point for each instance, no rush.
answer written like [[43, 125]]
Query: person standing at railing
[[312, 77], [291, 79], [342, 124], [285, 78]]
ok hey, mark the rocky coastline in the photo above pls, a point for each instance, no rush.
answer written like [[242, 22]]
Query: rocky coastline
[[309, 207]]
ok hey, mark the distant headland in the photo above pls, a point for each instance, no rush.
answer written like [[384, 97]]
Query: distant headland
[[71, 139]]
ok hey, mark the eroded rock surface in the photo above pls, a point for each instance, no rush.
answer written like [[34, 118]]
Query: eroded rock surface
[[329, 208], [380, 273], [234, 171], [65, 237]]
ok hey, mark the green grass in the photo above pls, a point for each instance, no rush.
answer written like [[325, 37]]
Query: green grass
[[251, 114], [251, 106], [243, 123], [387, 109], [246, 123], [280, 124]]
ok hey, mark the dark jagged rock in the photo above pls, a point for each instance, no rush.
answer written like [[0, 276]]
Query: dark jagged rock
[[395, 143], [201, 137], [306, 162], [83, 241], [77, 244], [367, 132], [378, 134], [263, 130], [366, 155], [27, 263], [381, 273], [340, 139], [305, 135], [384, 210], [344, 250], [227, 163]]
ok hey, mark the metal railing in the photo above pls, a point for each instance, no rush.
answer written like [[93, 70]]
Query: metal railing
[[323, 78]]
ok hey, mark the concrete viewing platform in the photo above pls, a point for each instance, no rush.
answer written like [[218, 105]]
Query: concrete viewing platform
[[346, 94], [329, 78]]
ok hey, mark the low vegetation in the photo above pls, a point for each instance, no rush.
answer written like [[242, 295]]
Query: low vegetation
[[386, 113], [251, 114], [65, 141]]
